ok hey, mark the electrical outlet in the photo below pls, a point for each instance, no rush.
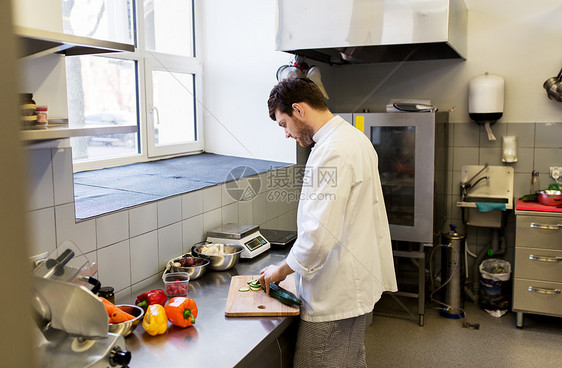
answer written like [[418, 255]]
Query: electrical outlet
[[555, 172]]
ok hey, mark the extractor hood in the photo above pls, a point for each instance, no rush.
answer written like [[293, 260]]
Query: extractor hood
[[371, 31]]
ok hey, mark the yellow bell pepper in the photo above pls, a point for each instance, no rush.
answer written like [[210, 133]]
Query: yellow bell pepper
[[155, 321]]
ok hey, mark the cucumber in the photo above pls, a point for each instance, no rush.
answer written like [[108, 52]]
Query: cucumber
[[283, 295], [529, 198]]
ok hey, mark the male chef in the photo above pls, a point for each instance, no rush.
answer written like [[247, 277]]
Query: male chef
[[342, 257]]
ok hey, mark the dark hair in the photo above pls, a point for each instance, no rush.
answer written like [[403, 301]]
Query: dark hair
[[294, 90]]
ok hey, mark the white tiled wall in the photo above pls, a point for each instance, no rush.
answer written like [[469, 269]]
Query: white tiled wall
[[132, 246]]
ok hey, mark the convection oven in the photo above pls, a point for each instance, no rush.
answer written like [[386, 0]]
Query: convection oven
[[412, 152]]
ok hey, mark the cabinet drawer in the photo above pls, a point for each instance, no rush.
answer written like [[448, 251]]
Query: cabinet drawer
[[539, 232], [538, 264], [537, 296]]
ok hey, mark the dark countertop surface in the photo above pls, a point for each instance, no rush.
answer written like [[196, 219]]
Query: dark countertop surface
[[215, 340], [103, 191]]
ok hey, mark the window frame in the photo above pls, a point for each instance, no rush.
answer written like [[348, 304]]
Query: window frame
[[146, 61]]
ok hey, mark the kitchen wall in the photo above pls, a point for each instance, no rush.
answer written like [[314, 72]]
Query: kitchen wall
[[239, 65], [511, 39], [131, 247]]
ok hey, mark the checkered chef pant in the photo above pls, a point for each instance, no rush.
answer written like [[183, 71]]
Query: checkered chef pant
[[333, 344]]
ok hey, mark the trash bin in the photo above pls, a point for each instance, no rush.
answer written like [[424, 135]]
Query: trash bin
[[495, 286]]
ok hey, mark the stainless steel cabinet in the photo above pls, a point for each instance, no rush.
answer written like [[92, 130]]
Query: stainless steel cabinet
[[537, 286]]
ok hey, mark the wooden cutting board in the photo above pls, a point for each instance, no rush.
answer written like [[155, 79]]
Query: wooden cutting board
[[257, 303]]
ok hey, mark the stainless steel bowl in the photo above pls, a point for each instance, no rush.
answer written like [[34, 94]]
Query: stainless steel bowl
[[220, 262], [127, 328], [194, 272], [550, 197]]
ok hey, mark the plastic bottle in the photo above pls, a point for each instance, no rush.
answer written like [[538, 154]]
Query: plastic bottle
[[41, 115]]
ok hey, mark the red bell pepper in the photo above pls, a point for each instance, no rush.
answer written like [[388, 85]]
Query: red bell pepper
[[156, 296], [181, 311]]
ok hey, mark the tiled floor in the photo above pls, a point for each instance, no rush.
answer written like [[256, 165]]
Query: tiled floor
[[442, 342]]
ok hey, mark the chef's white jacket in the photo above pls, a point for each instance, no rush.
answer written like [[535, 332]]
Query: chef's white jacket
[[342, 256]]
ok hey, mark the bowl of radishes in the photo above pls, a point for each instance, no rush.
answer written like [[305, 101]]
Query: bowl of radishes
[[194, 266]]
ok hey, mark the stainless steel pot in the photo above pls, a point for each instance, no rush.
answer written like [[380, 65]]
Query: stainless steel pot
[[550, 197], [220, 262]]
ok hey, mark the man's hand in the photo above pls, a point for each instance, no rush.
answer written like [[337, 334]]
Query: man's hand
[[275, 274]]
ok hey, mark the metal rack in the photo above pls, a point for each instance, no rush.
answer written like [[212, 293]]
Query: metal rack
[[415, 278]]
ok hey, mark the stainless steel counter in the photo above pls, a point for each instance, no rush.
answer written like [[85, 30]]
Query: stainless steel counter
[[215, 340]]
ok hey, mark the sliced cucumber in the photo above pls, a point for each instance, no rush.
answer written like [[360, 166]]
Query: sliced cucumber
[[255, 287], [244, 289]]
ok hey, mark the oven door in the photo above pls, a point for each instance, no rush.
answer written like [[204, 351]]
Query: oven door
[[405, 145]]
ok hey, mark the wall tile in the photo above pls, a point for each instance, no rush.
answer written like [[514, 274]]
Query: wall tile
[[143, 219], [42, 237], [40, 179], [272, 224], [466, 135], [547, 135], [229, 213], [272, 206], [456, 182], [521, 184], [288, 221], [192, 229], [544, 159], [122, 294], [169, 244], [83, 234], [267, 179], [114, 266], [211, 198], [142, 286], [233, 191], [464, 156], [211, 220], [259, 208], [525, 133], [245, 212], [192, 204], [112, 228], [169, 211], [62, 175], [491, 155], [144, 256]]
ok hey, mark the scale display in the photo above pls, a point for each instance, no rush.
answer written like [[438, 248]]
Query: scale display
[[255, 243]]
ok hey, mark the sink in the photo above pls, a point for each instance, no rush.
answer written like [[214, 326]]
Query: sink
[[496, 188]]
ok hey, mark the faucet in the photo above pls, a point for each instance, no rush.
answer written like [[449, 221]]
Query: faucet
[[466, 186]]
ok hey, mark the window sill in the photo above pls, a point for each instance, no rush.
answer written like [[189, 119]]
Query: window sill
[[100, 192]]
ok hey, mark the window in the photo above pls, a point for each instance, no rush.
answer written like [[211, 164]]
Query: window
[[155, 87]]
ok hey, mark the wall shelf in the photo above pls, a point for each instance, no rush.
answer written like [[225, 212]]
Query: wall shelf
[[35, 43], [37, 133]]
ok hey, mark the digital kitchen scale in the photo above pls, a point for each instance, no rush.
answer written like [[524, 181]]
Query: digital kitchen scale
[[247, 236]]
